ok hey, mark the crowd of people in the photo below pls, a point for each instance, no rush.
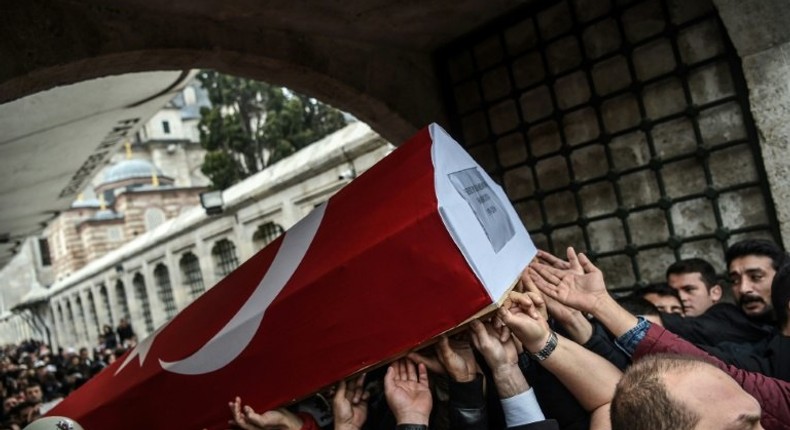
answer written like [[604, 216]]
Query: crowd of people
[[35, 379], [563, 353]]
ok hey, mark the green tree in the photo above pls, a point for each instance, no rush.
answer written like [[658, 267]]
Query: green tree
[[252, 125]]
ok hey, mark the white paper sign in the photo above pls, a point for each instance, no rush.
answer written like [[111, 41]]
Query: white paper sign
[[487, 207]]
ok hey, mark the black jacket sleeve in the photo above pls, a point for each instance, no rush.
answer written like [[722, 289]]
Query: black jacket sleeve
[[601, 344], [721, 323], [468, 405], [539, 425], [555, 400]]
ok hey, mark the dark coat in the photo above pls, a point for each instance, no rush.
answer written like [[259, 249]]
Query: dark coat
[[723, 322]]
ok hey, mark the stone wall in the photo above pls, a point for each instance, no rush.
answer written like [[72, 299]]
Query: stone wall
[[180, 160], [758, 29], [99, 238], [66, 246]]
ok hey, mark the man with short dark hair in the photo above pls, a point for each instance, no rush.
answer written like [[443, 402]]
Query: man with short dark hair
[[772, 356], [33, 393], [664, 298], [752, 264], [125, 332], [695, 281]]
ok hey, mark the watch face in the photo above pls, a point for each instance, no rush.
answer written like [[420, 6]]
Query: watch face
[[544, 353], [64, 425]]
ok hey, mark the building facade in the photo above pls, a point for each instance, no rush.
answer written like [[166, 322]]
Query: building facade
[[154, 178]]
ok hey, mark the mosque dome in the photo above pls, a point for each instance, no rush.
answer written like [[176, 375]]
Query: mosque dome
[[89, 203], [130, 169], [105, 214]]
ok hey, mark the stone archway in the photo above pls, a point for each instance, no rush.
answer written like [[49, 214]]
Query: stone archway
[[373, 61]]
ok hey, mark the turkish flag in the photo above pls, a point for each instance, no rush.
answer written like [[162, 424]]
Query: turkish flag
[[410, 249]]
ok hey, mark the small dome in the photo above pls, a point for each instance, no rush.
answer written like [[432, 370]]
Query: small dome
[[129, 169], [88, 203], [105, 215]]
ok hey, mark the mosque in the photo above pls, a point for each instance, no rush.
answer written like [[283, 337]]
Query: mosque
[[134, 196]]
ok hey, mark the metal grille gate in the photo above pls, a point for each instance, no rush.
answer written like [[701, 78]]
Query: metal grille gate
[[622, 128]]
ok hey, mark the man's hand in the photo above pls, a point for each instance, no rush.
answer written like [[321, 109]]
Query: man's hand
[[530, 289], [454, 357], [576, 325], [579, 329], [277, 419], [458, 358], [584, 292], [350, 404], [558, 263], [488, 341], [521, 315], [407, 392], [501, 357]]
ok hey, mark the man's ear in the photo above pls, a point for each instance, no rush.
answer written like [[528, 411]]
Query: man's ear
[[715, 293]]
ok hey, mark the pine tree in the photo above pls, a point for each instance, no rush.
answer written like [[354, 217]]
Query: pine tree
[[252, 125]]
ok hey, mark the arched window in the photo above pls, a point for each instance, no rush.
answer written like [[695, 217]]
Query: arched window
[[82, 323], [191, 274], [224, 253], [266, 233], [94, 316], [190, 96], [138, 282], [164, 289], [62, 336], [105, 301], [154, 217], [120, 298], [73, 325], [60, 315]]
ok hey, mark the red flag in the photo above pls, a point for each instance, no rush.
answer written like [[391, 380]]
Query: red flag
[[410, 249]]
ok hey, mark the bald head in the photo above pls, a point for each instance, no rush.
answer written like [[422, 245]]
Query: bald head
[[671, 392]]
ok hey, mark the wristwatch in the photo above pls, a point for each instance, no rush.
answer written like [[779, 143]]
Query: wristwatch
[[544, 353]]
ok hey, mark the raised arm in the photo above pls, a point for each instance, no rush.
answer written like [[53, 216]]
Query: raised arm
[[350, 404], [456, 358], [408, 395], [277, 419], [588, 293], [589, 377], [585, 292]]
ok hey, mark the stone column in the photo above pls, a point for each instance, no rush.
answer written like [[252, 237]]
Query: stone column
[[758, 29]]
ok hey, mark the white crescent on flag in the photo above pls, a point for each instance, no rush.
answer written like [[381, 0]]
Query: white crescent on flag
[[234, 337], [226, 345]]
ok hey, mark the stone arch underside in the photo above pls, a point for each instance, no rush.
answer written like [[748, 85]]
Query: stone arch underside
[[60, 43]]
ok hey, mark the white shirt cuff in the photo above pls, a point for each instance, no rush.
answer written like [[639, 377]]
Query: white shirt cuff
[[523, 408]]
